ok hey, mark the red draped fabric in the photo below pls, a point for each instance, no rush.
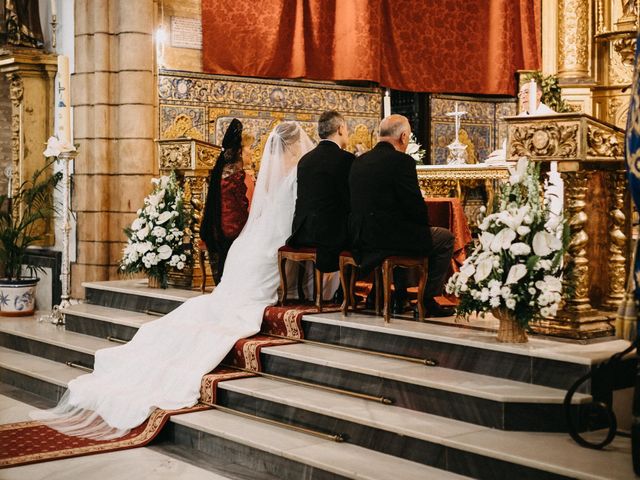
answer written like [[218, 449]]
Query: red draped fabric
[[452, 46]]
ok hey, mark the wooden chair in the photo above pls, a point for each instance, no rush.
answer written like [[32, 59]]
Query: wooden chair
[[299, 255], [389, 263], [348, 267]]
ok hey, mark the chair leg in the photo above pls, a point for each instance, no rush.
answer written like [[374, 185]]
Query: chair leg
[[352, 287], [387, 268], [302, 268], [377, 284], [422, 283], [283, 278], [318, 283], [345, 288]]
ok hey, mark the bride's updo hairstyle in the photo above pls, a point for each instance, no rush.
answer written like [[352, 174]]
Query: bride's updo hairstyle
[[287, 135]]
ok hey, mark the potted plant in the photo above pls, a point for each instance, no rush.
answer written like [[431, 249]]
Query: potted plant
[[22, 220], [156, 237], [515, 272]]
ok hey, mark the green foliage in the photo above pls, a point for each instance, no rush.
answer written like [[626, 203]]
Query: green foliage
[[22, 220]]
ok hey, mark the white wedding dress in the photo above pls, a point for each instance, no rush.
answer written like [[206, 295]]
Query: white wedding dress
[[164, 362]]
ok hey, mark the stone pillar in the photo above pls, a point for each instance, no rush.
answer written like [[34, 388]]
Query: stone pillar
[[113, 94], [573, 39]]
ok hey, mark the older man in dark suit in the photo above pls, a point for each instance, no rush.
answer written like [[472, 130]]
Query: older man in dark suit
[[389, 216], [322, 206]]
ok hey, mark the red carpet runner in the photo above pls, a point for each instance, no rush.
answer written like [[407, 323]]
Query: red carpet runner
[[31, 442]]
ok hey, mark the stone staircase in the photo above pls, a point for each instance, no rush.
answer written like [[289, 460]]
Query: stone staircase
[[486, 410]]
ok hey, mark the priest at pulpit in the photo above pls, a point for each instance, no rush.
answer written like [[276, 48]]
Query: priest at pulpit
[[530, 100]]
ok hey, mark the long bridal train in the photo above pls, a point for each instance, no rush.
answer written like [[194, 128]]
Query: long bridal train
[[161, 367]]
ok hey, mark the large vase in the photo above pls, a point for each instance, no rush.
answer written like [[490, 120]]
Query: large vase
[[154, 282], [17, 297], [510, 330]]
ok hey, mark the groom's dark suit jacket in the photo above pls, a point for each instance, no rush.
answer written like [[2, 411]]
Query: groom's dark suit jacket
[[322, 206], [388, 214]]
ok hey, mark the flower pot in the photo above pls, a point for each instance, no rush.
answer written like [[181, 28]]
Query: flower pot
[[18, 297], [509, 331], [154, 282]]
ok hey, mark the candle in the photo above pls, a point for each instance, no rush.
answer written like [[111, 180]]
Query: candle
[[54, 8], [386, 105], [457, 122], [533, 100], [63, 109]]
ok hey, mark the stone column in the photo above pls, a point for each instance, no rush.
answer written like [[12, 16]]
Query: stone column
[[573, 39], [113, 94]]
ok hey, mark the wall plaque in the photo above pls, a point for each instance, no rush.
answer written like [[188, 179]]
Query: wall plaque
[[186, 32]]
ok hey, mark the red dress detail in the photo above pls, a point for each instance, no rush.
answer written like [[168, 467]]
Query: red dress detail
[[234, 208]]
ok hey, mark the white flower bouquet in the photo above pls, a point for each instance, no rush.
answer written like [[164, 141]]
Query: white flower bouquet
[[415, 150], [516, 267], [156, 237]]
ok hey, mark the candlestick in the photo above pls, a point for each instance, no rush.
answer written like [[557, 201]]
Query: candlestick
[[533, 97], [386, 105], [8, 172], [64, 100]]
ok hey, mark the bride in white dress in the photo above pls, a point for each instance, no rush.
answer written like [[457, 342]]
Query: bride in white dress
[[164, 362]]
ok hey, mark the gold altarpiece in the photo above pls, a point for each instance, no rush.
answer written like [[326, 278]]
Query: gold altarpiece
[[589, 156], [30, 74]]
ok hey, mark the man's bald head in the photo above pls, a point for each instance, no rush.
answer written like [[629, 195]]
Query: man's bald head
[[396, 130]]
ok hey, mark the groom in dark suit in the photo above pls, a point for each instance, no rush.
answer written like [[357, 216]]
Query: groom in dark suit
[[389, 215], [322, 206]]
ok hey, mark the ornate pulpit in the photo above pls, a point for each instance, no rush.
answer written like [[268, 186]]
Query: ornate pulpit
[[192, 161], [588, 153]]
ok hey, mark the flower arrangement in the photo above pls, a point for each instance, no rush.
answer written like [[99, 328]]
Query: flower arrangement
[[515, 270], [415, 149], [155, 244]]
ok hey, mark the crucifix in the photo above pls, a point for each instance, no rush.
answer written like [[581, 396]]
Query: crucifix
[[457, 154]]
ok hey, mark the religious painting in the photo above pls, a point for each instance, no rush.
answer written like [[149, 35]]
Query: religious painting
[[202, 106], [481, 128]]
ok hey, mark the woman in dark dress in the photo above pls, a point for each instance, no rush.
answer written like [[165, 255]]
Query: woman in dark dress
[[227, 208]]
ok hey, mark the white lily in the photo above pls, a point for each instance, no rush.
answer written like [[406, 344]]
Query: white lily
[[503, 240], [55, 147], [483, 270], [545, 243], [516, 272], [518, 173], [163, 217]]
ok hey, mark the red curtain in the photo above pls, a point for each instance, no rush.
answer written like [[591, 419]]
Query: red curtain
[[447, 46]]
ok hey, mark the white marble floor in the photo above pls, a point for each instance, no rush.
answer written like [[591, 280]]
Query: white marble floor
[[138, 463]]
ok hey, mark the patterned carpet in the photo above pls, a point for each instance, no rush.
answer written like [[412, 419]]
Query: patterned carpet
[[31, 442]]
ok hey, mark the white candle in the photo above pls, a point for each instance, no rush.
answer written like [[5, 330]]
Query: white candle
[[63, 107], [54, 8], [457, 122], [533, 100], [386, 104]]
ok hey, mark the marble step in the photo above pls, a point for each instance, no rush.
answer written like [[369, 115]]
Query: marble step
[[470, 397], [135, 295], [45, 378], [289, 454], [447, 444], [489, 401], [540, 361], [103, 322]]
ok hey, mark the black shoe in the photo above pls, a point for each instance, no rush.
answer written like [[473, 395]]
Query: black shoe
[[338, 297], [433, 309], [399, 306]]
